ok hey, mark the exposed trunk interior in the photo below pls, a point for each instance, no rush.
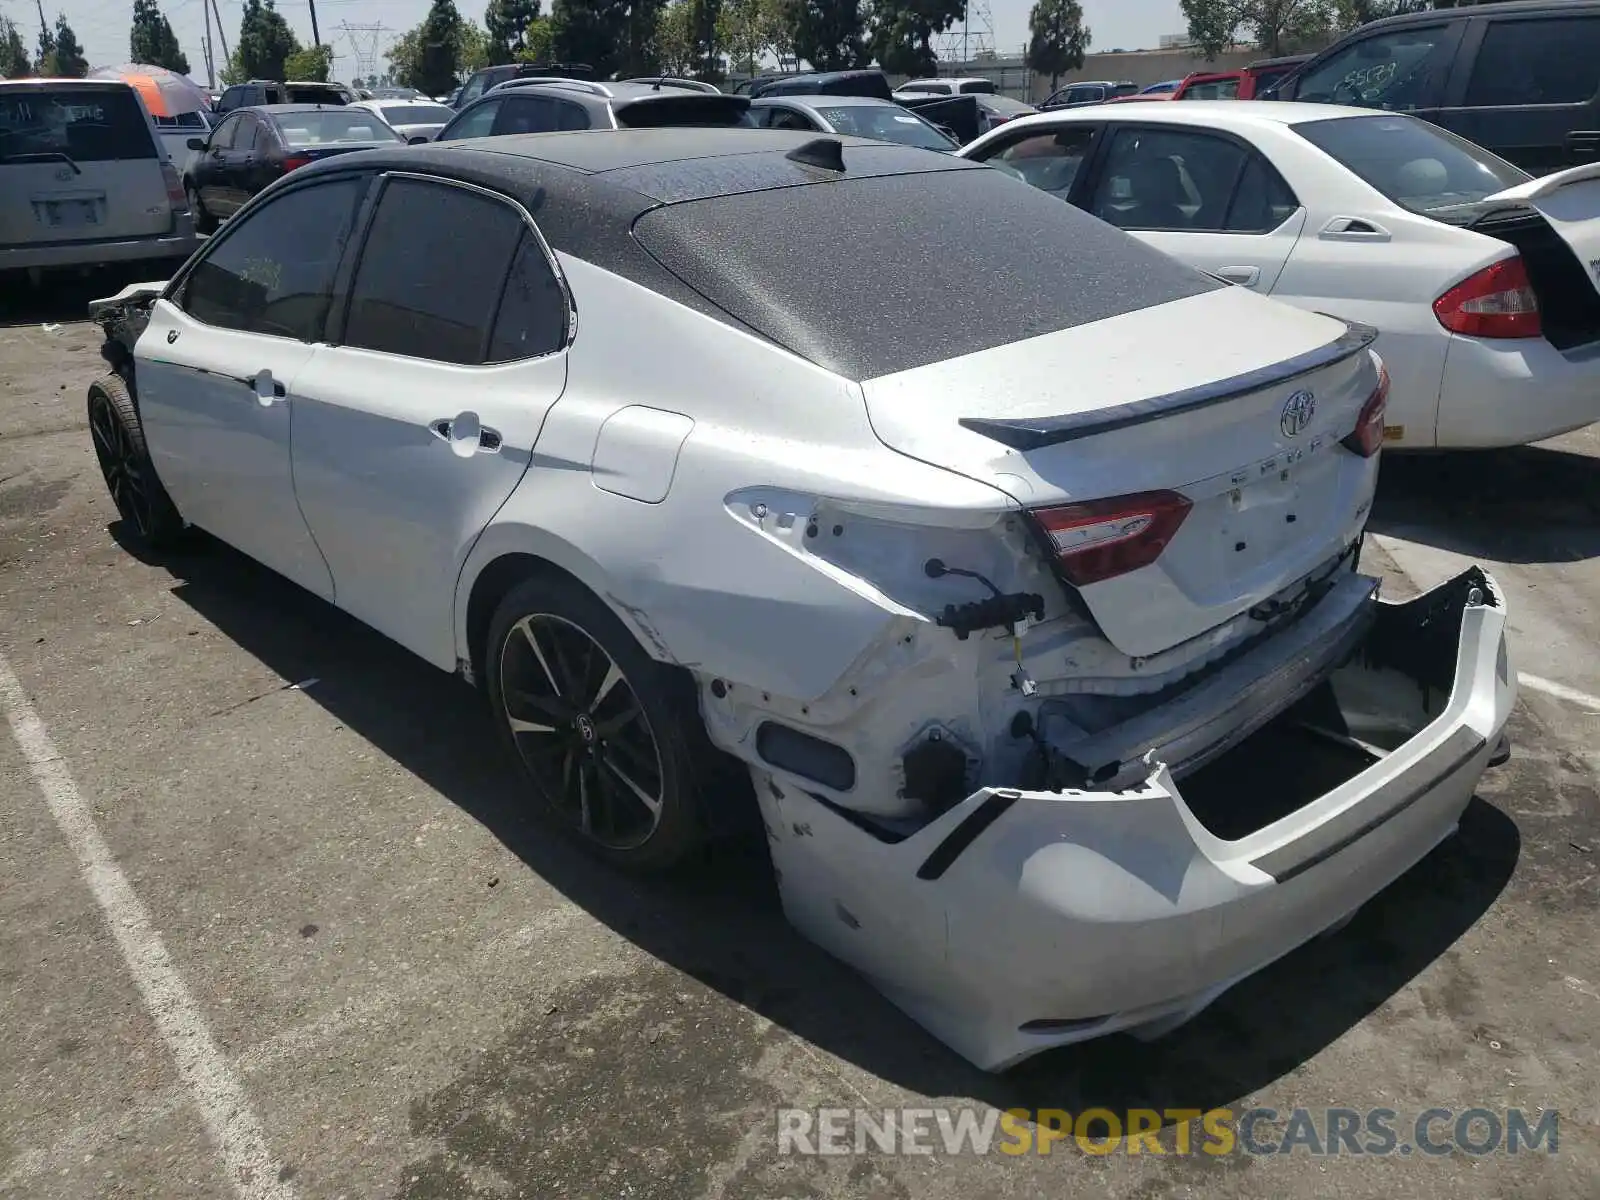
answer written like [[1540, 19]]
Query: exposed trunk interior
[[1568, 301], [1395, 685]]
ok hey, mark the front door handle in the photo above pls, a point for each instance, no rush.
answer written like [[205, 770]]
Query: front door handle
[[267, 389], [466, 435], [1244, 276]]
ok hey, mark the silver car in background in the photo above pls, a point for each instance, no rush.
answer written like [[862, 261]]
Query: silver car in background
[[410, 118]]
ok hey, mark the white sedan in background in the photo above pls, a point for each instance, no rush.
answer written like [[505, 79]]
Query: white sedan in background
[[1483, 282], [410, 118]]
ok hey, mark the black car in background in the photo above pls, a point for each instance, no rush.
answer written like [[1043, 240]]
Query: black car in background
[[481, 81], [270, 91], [1520, 79], [254, 146]]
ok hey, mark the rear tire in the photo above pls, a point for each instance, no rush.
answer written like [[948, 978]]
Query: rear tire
[[204, 222], [602, 737], [147, 512]]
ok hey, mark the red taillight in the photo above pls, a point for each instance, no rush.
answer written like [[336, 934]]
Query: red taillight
[[294, 161], [1367, 437], [175, 196], [1099, 539], [1497, 302]]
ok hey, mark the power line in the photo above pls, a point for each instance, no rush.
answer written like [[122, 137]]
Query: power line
[[363, 42]]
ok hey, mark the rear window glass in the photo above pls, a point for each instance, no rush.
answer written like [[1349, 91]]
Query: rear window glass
[[1417, 165], [188, 120], [87, 125], [871, 276], [1007, 106], [315, 95], [417, 114], [887, 123], [699, 109], [979, 87], [304, 129]]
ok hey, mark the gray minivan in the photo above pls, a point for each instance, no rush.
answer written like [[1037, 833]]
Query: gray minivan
[[84, 179]]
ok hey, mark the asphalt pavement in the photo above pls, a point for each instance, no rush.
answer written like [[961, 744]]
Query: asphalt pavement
[[274, 920]]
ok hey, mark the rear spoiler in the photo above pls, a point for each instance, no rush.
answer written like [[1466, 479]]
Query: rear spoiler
[[1035, 433], [959, 114]]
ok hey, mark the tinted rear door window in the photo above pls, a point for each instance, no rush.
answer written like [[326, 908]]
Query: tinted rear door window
[[431, 272], [529, 114], [479, 122], [1553, 61], [86, 124], [272, 272]]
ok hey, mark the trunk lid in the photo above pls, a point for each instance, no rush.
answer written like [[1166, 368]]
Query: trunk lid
[[1570, 202], [1242, 411]]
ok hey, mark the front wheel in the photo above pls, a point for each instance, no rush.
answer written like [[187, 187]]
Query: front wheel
[[204, 222], [142, 503], [601, 734]]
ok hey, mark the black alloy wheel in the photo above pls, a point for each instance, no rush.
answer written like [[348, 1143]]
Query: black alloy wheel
[[580, 731]]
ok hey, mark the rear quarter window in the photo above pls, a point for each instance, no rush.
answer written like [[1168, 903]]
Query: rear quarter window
[[86, 124], [826, 269]]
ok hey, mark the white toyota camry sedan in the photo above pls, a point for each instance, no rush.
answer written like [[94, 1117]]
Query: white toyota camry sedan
[[1032, 628], [1483, 282]]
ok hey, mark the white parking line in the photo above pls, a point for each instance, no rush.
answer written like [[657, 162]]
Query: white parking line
[[1560, 691], [234, 1128]]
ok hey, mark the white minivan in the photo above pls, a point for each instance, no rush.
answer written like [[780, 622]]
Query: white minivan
[[84, 179]]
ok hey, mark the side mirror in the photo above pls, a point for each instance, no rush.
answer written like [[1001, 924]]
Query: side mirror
[[197, 143], [418, 139]]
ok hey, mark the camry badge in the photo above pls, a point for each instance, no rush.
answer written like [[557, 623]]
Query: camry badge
[[1298, 410]]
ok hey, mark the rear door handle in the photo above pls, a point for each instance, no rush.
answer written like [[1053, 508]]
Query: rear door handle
[[1244, 276], [459, 433]]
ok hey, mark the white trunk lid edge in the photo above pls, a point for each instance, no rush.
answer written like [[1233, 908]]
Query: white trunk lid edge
[[1570, 201], [1269, 507]]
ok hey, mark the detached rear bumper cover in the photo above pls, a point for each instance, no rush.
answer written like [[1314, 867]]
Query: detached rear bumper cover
[[1022, 920]]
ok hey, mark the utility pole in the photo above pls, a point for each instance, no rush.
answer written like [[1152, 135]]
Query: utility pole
[[316, 38], [44, 30], [216, 12], [211, 66]]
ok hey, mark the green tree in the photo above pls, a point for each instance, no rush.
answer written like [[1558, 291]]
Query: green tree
[[828, 34], [309, 63], [1057, 38], [472, 48], [506, 23], [706, 20], [14, 60], [438, 49], [748, 32], [60, 52], [152, 41], [674, 41], [902, 31], [1214, 25], [265, 41], [538, 41]]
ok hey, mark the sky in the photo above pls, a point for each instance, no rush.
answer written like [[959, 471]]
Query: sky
[[102, 25]]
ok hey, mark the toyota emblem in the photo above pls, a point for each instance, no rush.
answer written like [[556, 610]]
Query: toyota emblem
[[1298, 410]]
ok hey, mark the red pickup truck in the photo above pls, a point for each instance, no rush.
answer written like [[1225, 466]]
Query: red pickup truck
[[1245, 84]]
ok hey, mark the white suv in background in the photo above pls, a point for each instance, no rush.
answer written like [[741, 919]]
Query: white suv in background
[[84, 179]]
